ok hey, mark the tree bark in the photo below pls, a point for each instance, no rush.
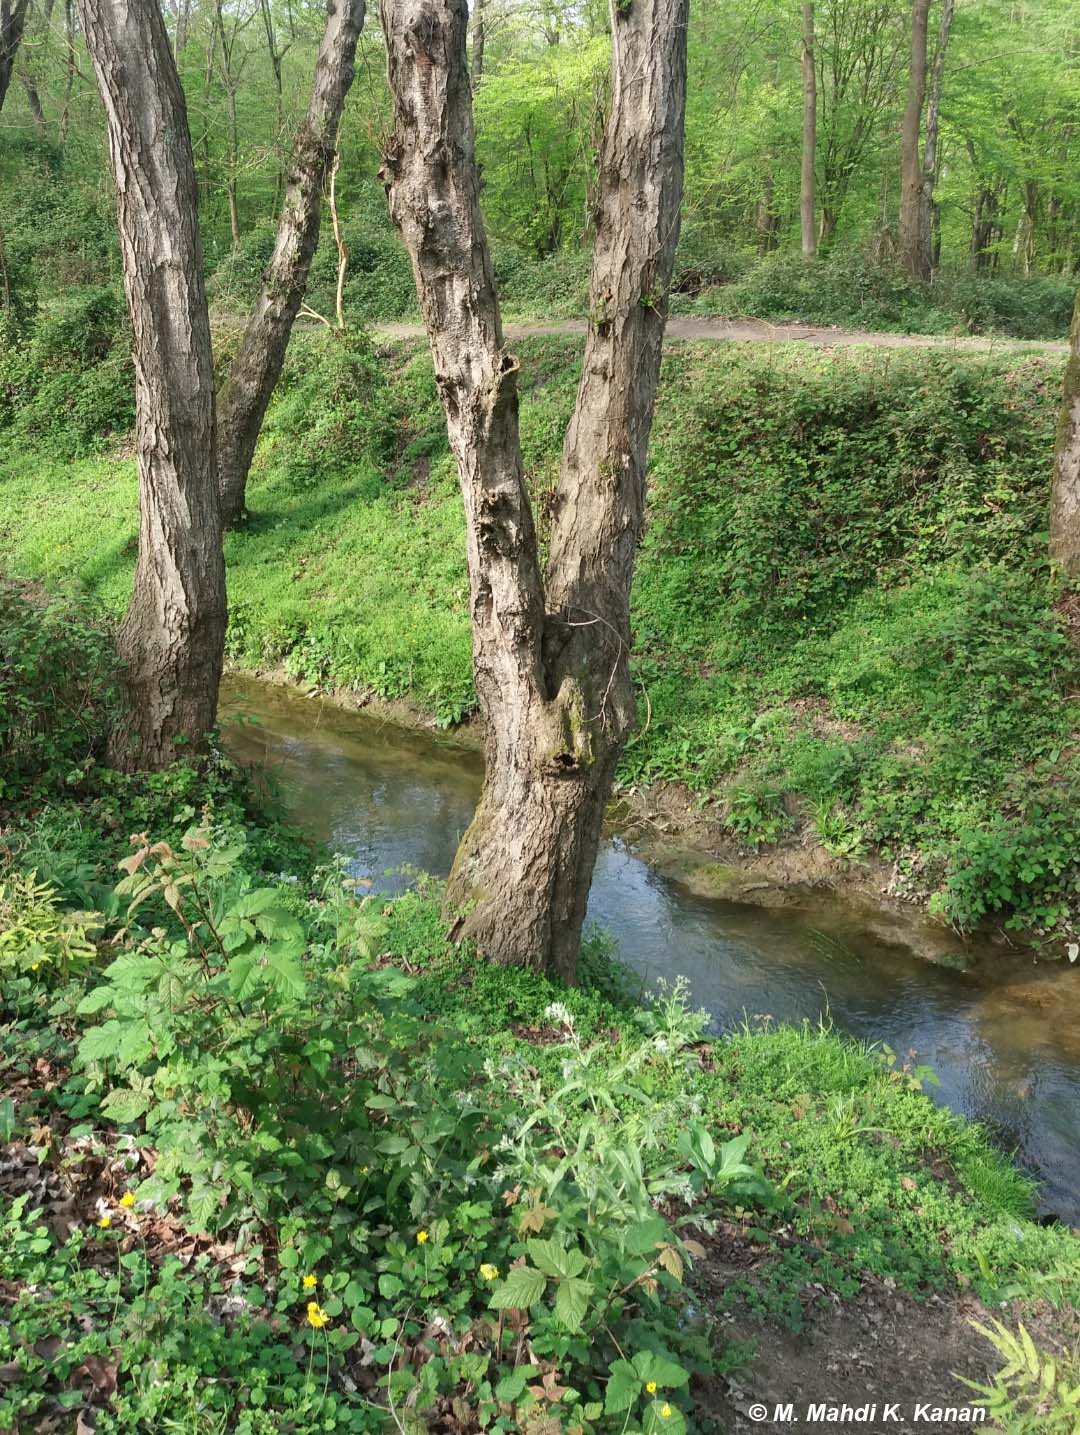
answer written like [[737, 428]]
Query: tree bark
[[550, 655], [173, 635], [12, 24], [809, 135], [246, 393], [912, 256], [927, 246], [1065, 485]]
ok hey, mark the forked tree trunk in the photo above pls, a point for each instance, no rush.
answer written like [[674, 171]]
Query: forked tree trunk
[[257, 367], [809, 135], [1065, 486], [173, 635], [550, 657], [912, 256], [12, 23]]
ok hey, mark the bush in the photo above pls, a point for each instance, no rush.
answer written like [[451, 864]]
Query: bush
[[68, 386], [57, 691], [846, 288]]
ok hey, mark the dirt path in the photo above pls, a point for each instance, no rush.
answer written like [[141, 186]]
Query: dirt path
[[759, 331]]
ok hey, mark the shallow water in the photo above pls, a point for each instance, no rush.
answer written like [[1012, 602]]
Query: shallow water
[[1003, 1037]]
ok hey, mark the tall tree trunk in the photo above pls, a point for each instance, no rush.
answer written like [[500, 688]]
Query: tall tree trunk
[[33, 99], [911, 179], [809, 134], [479, 40], [550, 655], [927, 262], [12, 24], [257, 367], [69, 72], [1065, 485], [173, 635]]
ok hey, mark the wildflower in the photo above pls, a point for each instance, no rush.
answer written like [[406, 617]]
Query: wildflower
[[316, 1316], [651, 1387], [34, 966], [310, 1282], [105, 1222], [127, 1200], [362, 1170], [665, 1412], [421, 1237], [488, 1271]]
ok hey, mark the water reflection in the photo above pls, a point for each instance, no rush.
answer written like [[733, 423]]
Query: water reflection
[[1003, 1038]]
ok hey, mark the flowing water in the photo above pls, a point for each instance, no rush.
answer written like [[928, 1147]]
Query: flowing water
[[1003, 1037]]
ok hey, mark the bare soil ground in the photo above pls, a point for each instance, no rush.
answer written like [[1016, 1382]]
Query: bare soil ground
[[880, 1347]]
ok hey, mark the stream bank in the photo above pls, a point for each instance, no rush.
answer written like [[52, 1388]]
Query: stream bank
[[1001, 1035]]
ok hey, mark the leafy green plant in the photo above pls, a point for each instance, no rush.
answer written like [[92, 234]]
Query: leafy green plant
[[1034, 1392], [35, 932]]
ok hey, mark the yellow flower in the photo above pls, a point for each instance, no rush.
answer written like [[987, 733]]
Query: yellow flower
[[421, 1237], [316, 1316], [127, 1200], [362, 1170], [665, 1412], [105, 1222], [34, 966], [488, 1271], [651, 1387], [310, 1282]]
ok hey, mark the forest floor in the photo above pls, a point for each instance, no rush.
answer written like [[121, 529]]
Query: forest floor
[[761, 331]]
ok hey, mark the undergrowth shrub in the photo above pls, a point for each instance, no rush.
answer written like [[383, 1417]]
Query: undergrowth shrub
[[57, 691]]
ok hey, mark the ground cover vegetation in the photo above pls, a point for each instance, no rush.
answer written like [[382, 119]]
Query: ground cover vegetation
[[256, 1121], [845, 618]]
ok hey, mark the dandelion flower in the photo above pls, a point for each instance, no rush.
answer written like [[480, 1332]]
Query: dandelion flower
[[127, 1200], [310, 1282], [665, 1412], [316, 1316], [34, 966], [421, 1237], [105, 1222], [651, 1387], [488, 1271]]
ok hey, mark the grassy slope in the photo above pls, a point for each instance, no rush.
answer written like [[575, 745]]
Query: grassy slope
[[843, 613]]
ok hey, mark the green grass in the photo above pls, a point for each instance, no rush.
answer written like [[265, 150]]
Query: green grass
[[843, 612]]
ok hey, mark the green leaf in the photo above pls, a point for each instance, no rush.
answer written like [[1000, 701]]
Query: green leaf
[[124, 1105], [96, 1001], [550, 1257], [511, 1386], [572, 1301], [623, 1388], [667, 1373], [522, 1288], [642, 1239]]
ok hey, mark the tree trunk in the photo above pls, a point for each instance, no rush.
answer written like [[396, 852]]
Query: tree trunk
[[927, 261], [12, 24], [173, 635], [911, 177], [550, 656], [479, 39], [809, 134], [257, 367]]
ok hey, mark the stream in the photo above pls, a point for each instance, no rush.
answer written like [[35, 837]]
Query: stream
[[1003, 1037]]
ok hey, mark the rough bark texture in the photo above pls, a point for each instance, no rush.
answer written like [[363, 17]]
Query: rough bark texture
[[809, 135], [1065, 487], [257, 367], [12, 24], [912, 256], [172, 637], [549, 656]]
